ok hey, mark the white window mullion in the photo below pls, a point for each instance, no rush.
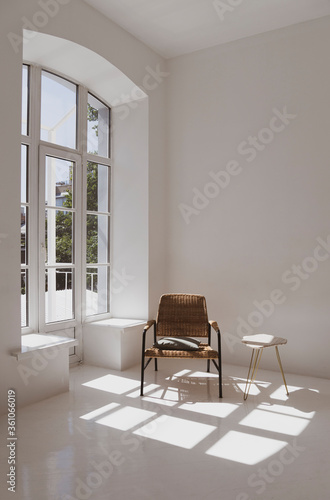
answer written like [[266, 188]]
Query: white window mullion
[[77, 257], [33, 195], [41, 241], [82, 144]]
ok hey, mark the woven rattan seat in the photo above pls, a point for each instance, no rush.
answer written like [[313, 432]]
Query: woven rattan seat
[[204, 352], [182, 315]]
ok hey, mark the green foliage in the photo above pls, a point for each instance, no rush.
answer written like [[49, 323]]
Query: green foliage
[[92, 186], [64, 236], [93, 116], [64, 225], [92, 113], [91, 223], [23, 284]]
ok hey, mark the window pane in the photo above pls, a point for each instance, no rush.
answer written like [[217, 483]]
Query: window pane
[[25, 99], [24, 235], [58, 182], [58, 110], [98, 116], [24, 298], [97, 187], [97, 279], [58, 236], [24, 173], [58, 294], [97, 243]]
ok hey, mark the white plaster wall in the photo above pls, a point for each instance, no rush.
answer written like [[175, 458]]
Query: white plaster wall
[[130, 246], [268, 218], [78, 22], [114, 344], [42, 375]]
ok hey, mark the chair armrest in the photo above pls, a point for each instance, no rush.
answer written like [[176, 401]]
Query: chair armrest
[[214, 325], [148, 325]]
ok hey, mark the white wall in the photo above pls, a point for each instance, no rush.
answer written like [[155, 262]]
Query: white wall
[[267, 219], [130, 235], [75, 21]]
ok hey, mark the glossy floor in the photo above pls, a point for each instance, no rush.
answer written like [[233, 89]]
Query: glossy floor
[[102, 441]]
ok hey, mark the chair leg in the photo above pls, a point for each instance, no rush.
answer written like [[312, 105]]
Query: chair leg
[[142, 360], [254, 364], [209, 342], [156, 365], [220, 365], [220, 380], [281, 368], [142, 373]]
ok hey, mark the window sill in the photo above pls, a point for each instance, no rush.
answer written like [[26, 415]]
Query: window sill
[[37, 342], [118, 322]]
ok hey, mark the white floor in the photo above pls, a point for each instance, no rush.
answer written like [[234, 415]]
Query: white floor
[[102, 441]]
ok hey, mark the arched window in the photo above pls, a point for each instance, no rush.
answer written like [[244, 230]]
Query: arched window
[[65, 203]]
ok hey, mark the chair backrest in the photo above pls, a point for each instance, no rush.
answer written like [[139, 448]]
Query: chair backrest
[[182, 315]]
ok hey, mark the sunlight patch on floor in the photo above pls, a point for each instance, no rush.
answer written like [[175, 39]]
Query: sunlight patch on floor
[[281, 395], [244, 448], [126, 418], [275, 422], [286, 410], [176, 431], [182, 373], [155, 393], [100, 411], [113, 383], [161, 397], [221, 410], [254, 389]]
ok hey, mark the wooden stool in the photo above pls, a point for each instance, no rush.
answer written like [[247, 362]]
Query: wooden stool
[[258, 343]]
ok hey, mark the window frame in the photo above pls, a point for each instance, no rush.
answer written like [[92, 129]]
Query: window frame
[[38, 149], [98, 264], [44, 152]]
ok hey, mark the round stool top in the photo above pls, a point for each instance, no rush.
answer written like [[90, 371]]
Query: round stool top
[[261, 340]]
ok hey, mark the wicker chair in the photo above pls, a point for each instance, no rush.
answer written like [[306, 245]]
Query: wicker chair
[[182, 315]]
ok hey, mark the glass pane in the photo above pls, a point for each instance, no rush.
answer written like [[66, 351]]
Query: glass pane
[[97, 279], [25, 99], [58, 294], [58, 236], [24, 173], [24, 298], [58, 110], [24, 235], [98, 116], [97, 187], [97, 243], [58, 182]]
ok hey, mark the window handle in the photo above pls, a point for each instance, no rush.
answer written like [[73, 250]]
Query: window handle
[[43, 250]]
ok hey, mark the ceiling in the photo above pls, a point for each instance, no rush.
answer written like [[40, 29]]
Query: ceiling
[[176, 27]]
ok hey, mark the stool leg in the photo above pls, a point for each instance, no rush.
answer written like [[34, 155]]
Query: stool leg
[[255, 360], [281, 368]]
